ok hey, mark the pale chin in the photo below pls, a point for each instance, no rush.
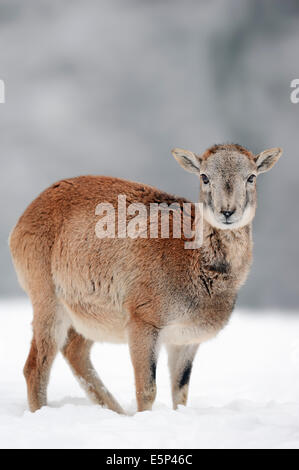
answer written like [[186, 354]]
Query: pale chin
[[246, 219]]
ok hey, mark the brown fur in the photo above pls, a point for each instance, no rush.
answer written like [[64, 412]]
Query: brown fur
[[227, 147], [142, 291]]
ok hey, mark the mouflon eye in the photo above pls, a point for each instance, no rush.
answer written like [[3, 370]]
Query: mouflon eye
[[205, 179], [251, 178]]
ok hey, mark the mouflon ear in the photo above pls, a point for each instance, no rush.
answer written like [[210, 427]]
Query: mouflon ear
[[267, 159], [188, 160]]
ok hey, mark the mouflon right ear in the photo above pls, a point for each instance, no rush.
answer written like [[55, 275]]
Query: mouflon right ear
[[188, 160]]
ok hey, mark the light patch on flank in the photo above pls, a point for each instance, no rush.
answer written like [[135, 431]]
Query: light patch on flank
[[99, 329]]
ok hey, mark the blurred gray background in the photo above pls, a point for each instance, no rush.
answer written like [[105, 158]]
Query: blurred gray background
[[110, 86]]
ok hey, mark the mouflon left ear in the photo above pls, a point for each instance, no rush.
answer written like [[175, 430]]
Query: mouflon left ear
[[188, 160], [267, 159]]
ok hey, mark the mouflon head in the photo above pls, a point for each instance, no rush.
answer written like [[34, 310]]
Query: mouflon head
[[228, 181]]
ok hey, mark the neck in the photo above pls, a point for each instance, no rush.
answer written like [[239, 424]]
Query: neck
[[227, 251], [226, 235]]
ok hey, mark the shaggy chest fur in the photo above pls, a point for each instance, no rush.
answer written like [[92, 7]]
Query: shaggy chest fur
[[225, 260], [214, 279]]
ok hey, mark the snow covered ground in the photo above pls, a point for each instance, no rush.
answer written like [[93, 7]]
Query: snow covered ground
[[244, 392]]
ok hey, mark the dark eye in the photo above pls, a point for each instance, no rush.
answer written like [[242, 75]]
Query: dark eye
[[205, 179], [251, 179]]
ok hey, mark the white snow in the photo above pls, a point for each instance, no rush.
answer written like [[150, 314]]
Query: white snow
[[244, 392]]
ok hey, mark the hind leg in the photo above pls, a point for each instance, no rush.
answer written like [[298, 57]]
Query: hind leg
[[48, 331], [77, 353]]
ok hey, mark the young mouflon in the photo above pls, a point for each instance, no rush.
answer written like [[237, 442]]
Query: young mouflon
[[144, 291]]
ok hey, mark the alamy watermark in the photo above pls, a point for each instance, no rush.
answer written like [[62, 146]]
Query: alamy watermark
[[2, 91], [294, 96], [154, 220]]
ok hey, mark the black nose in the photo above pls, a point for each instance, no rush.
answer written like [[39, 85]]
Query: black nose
[[227, 214]]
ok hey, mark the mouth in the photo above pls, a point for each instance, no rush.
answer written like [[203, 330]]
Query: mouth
[[215, 220], [229, 224]]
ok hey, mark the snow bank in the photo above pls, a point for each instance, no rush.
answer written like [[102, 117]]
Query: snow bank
[[244, 392]]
